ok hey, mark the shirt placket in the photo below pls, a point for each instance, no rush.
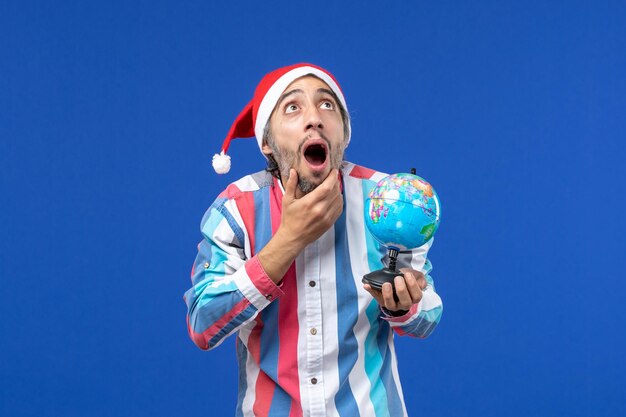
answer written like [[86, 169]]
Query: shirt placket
[[314, 342]]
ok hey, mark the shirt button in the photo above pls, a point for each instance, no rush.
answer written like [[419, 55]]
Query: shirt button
[[311, 283], [269, 297], [313, 381], [206, 265], [313, 331]]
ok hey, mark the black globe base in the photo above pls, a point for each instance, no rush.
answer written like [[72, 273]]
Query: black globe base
[[377, 278]]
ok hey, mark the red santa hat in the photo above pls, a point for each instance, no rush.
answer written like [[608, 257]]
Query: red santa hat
[[253, 118]]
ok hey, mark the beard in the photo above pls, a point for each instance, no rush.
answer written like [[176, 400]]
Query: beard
[[287, 159]]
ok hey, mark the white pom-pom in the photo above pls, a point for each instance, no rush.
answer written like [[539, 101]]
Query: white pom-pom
[[221, 163]]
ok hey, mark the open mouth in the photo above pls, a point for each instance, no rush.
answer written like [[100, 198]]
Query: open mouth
[[315, 154]]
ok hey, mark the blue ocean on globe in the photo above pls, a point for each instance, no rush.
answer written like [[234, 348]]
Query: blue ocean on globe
[[402, 211]]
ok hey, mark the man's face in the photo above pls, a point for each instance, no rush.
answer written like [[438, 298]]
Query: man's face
[[306, 132]]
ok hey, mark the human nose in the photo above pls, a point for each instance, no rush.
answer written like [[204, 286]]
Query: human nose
[[313, 118]]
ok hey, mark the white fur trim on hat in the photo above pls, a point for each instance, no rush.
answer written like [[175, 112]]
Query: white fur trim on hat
[[276, 90]]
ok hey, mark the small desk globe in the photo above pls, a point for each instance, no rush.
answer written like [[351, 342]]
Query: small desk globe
[[402, 212]]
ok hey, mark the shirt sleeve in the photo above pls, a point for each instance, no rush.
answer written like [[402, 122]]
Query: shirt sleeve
[[423, 317], [229, 289]]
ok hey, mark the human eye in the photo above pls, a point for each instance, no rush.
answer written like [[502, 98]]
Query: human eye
[[328, 105], [290, 108]]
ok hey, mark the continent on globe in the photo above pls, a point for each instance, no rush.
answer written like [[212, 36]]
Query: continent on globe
[[402, 211]]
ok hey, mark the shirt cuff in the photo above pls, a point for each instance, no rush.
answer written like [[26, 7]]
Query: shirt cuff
[[395, 317], [256, 285]]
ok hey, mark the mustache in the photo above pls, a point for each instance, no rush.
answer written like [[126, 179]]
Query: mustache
[[307, 137]]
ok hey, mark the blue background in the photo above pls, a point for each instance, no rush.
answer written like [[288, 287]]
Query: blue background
[[110, 113]]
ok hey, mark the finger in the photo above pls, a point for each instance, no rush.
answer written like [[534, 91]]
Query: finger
[[328, 212], [421, 281], [330, 183], [292, 183], [388, 300], [336, 208], [375, 293], [326, 191], [333, 176], [331, 217], [415, 292], [336, 178], [419, 276], [404, 298], [329, 199]]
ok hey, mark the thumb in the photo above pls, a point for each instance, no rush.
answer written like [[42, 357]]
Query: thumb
[[292, 183]]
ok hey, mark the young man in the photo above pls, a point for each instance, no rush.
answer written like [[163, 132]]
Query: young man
[[282, 259]]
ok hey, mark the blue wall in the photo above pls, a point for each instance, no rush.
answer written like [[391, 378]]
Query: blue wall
[[110, 113]]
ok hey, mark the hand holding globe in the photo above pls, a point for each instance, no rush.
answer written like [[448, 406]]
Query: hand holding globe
[[402, 212]]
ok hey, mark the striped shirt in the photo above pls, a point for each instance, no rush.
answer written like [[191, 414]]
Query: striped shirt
[[318, 344]]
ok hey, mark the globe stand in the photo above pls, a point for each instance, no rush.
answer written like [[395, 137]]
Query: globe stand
[[376, 279]]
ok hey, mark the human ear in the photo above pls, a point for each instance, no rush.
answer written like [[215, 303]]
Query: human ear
[[266, 149]]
